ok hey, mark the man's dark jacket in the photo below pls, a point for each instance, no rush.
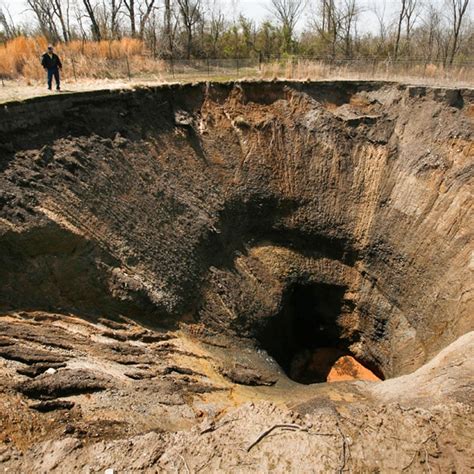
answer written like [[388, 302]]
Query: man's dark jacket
[[51, 62]]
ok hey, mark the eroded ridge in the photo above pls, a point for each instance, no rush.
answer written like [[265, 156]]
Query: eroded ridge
[[217, 244]]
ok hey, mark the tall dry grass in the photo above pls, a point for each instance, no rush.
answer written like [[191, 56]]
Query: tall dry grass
[[122, 59], [404, 71], [21, 57], [16, 57]]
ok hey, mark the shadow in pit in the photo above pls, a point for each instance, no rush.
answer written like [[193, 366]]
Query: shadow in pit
[[305, 337]]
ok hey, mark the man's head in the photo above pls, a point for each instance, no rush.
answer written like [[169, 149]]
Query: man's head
[[50, 48]]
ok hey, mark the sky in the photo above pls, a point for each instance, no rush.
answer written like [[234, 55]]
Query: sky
[[259, 10]]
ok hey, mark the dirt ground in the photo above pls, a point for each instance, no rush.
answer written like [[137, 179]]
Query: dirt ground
[[20, 90], [13, 90], [127, 398]]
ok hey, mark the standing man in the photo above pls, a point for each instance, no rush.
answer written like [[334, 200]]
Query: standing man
[[52, 64]]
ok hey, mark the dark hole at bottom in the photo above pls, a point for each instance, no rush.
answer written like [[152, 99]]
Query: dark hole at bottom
[[305, 338]]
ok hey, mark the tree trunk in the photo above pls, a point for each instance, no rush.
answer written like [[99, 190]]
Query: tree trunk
[[459, 10], [189, 41], [96, 34], [168, 34], [130, 4], [399, 30]]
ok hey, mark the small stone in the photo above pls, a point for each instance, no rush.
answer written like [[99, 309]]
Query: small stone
[[69, 429], [50, 371]]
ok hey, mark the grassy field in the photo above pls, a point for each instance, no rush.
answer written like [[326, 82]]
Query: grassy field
[[125, 63]]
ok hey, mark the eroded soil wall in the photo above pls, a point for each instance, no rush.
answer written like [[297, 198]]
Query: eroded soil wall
[[208, 203]]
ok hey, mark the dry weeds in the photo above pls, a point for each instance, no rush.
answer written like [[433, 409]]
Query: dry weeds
[[126, 62]]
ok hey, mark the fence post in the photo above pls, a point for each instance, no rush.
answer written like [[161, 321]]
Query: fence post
[[74, 68], [238, 68], [172, 65], [128, 69], [208, 68]]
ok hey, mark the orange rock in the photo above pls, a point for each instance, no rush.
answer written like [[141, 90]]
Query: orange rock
[[347, 368]]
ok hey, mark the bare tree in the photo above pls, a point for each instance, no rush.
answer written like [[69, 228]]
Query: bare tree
[[7, 23], [458, 12], [115, 7], [145, 10], [130, 6], [431, 32], [61, 11], [287, 13], [407, 15], [327, 10], [326, 20], [150, 31], [44, 13], [379, 8], [90, 9], [401, 17], [168, 29], [190, 12], [348, 14], [217, 25], [412, 12]]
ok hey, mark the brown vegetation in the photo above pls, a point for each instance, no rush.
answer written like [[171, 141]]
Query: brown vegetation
[[193, 40], [196, 29], [128, 58]]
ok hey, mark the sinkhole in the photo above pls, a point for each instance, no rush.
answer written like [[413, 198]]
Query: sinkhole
[[307, 341], [193, 204]]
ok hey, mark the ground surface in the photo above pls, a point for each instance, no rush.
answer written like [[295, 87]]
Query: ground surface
[[19, 90], [158, 245], [13, 90], [164, 405]]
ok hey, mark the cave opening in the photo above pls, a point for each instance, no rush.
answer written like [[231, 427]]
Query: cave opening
[[305, 337]]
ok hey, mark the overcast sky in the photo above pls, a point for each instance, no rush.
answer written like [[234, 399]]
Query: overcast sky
[[258, 10]]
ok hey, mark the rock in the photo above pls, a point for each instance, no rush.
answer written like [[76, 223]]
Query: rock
[[69, 429], [28, 355], [181, 117], [47, 406], [246, 376], [38, 368], [170, 369], [65, 382], [347, 368]]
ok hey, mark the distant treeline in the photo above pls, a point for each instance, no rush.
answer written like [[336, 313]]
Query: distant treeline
[[185, 29]]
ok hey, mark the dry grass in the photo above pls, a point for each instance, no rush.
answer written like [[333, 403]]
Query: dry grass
[[20, 58], [410, 72], [128, 59], [16, 57]]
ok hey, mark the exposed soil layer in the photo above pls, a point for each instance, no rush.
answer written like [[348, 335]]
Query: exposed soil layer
[[209, 246]]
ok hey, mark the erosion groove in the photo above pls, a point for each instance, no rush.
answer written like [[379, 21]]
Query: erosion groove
[[327, 225]]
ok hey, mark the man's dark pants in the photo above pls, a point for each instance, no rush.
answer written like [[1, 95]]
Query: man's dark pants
[[53, 72]]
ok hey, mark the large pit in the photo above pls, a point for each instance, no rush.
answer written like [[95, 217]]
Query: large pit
[[183, 267], [311, 220]]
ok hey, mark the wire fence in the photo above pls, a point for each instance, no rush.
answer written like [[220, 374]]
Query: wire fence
[[146, 68], [303, 68]]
